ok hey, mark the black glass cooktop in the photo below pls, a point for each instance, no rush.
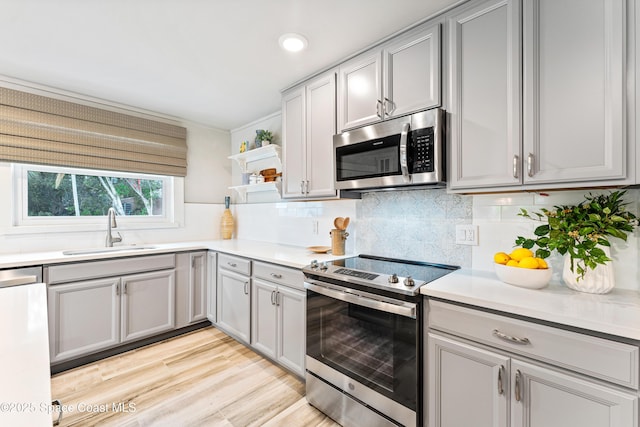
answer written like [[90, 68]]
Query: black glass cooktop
[[373, 266]]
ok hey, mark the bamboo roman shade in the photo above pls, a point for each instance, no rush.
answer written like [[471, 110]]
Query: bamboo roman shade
[[41, 130]]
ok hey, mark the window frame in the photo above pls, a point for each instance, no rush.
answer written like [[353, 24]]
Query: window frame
[[76, 223]]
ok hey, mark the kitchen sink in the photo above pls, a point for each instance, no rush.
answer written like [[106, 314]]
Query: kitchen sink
[[106, 250]]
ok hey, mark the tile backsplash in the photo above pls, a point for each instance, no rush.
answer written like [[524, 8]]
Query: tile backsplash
[[414, 224]]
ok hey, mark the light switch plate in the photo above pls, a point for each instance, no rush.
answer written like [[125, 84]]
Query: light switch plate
[[467, 234]]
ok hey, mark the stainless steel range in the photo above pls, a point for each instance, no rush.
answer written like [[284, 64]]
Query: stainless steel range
[[364, 339]]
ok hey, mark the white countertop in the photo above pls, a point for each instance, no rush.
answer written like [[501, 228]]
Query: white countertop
[[291, 256], [616, 313]]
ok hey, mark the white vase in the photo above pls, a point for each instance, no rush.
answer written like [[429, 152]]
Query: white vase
[[598, 281]]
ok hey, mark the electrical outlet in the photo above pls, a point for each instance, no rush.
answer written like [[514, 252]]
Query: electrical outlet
[[467, 234]]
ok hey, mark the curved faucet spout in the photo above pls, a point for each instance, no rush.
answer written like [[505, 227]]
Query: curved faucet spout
[[111, 223]]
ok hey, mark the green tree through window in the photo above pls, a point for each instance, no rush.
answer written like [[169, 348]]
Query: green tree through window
[[68, 194]]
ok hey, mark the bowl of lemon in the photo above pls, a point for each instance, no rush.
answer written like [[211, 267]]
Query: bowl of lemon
[[522, 268]]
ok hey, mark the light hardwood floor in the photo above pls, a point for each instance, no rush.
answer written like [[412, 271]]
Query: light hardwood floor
[[203, 378]]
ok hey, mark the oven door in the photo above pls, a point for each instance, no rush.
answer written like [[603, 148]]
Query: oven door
[[369, 338]]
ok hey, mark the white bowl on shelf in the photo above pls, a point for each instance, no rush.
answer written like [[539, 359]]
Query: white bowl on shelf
[[524, 277]]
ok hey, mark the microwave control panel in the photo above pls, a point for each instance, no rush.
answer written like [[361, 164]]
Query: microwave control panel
[[420, 155]]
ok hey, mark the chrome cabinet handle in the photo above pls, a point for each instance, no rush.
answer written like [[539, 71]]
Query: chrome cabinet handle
[[379, 108], [57, 403], [500, 380], [301, 187], [505, 337], [518, 391], [118, 289], [232, 264], [246, 288], [516, 162], [273, 297], [278, 299], [276, 275], [124, 289], [387, 110], [530, 159], [403, 153], [306, 188]]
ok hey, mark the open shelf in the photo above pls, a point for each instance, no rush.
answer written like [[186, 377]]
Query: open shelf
[[266, 152], [243, 190]]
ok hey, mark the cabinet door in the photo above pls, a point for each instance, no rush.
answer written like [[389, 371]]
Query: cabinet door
[[212, 265], [412, 72], [148, 304], [291, 328], [264, 317], [467, 386], [198, 287], [545, 398], [234, 302], [575, 85], [321, 126], [84, 317], [293, 143], [484, 86], [360, 91]]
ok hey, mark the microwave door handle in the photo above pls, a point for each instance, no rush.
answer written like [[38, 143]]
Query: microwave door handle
[[403, 153]]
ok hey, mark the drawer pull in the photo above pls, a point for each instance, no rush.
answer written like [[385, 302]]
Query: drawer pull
[[517, 391], [276, 275], [232, 264], [505, 337], [500, 380]]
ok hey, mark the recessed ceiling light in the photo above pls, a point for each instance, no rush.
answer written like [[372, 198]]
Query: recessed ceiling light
[[292, 42]]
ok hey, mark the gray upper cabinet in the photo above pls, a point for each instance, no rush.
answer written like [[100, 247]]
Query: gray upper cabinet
[[574, 90], [397, 78], [411, 72], [484, 79], [308, 126], [557, 121]]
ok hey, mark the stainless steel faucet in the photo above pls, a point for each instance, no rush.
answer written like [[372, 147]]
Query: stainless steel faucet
[[111, 223]]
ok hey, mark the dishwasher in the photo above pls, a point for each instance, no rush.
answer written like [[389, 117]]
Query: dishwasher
[[25, 395]]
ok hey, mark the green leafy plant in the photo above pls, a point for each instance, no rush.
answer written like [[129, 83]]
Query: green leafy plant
[[579, 230], [264, 135]]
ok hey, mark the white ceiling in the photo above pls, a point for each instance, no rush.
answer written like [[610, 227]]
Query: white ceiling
[[214, 62]]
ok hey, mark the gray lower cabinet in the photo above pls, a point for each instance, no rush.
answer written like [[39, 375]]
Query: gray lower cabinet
[[234, 296], [212, 276], [89, 313], [535, 379], [278, 315], [84, 317], [191, 294]]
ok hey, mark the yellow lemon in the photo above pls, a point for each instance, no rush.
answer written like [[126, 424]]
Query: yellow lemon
[[528, 262], [520, 253], [512, 263], [542, 263], [501, 258]]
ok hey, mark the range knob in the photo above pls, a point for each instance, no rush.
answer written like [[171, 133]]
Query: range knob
[[393, 278], [409, 281], [324, 266], [314, 263]]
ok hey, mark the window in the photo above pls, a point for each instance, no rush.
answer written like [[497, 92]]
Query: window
[[52, 195]]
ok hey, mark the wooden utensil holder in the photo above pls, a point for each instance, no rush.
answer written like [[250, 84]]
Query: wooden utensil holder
[[338, 239]]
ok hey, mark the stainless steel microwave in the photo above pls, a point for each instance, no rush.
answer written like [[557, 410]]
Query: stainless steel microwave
[[402, 152]]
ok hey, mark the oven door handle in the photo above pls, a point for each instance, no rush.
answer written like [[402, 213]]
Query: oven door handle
[[401, 308], [403, 153]]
